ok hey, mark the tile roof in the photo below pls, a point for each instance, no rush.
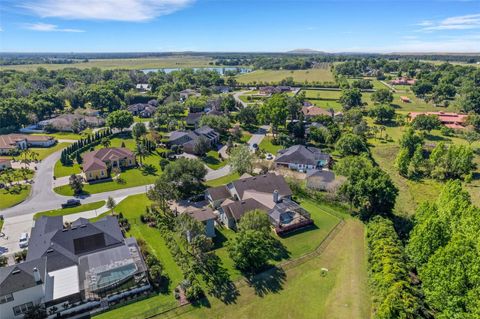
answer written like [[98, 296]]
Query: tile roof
[[9, 141], [96, 160]]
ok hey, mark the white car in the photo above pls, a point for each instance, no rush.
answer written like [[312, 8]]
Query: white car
[[23, 242]]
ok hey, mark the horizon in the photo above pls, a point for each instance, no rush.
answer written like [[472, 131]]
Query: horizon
[[170, 26]]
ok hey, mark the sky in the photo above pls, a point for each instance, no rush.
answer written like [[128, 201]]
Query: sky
[[239, 25]]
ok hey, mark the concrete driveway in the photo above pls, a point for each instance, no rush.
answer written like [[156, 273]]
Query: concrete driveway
[[258, 136]]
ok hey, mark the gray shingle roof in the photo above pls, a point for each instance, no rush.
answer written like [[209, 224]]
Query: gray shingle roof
[[300, 154], [263, 183], [20, 276]]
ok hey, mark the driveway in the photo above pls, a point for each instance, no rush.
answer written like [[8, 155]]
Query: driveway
[[236, 95], [258, 136]]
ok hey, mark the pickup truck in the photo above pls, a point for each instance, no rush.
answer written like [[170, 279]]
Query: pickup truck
[[71, 203]]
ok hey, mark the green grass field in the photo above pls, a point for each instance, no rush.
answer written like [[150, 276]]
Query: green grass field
[[9, 199], [212, 160], [131, 64], [44, 152], [222, 180], [273, 76], [67, 135], [268, 147], [71, 210]]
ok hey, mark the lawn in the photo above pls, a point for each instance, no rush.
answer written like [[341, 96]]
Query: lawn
[[71, 210], [177, 61], [44, 152], [65, 170], [67, 135], [222, 180], [138, 119], [303, 292], [16, 175], [322, 94], [9, 199], [273, 76], [212, 160], [268, 146]]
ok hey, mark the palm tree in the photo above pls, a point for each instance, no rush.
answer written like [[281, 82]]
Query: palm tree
[[34, 156], [25, 154], [105, 142], [141, 151]]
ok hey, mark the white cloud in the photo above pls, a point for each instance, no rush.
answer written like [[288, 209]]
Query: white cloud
[[466, 22], [117, 10], [45, 27]]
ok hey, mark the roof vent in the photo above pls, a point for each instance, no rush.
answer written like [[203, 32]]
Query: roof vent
[[16, 271], [50, 250], [83, 225], [74, 228], [65, 229]]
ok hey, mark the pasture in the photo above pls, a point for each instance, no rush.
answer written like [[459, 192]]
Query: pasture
[[275, 76]]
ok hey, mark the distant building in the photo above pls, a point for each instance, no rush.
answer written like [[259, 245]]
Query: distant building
[[449, 119], [312, 111], [84, 266], [143, 87], [188, 139], [12, 142], [185, 94], [405, 99], [144, 110], [403, 81], [71, 122], [96, 164], [5, 163], [268, 90], [269, 193], [302, 158]]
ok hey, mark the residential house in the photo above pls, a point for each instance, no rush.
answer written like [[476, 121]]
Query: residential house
[[143, 87], [206, 217], [449, 119], [268, 90], [312, 111], [96, 164], [185, 94], [188, 139], [193, 118], [302, 158], [405, 99], [403, 81], [84, 266], [71, 123], [323, 180], [221, 89], [144, 110], [269, 193], [5, 163], [12, 142]]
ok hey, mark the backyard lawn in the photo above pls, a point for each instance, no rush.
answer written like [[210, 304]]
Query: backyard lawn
[[44, 152], [268, 146], [212, 160], [71, 210], [13, 197], [67, 135], [321, 75], [65, 170]]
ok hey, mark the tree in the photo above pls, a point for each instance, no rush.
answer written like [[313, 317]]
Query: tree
[[241, 159], [186, 175], [141, 152], [161, 193], [367, 188], [219, 123], [254, 245], [471, 136], [202, 145], [470, 100], [248, 116], [426, 122], [139, 130], [451, 162], [320, 135], [351, 98], [76, 183], [411, 140], [111, 203], [120, 119], [382, 96], [105, 142], [36, 312], [228, 103], [274, 111], [421, 88], [382, 113], [350, 144]]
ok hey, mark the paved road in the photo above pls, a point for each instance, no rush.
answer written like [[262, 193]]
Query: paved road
[[258, 136], [236, 95]]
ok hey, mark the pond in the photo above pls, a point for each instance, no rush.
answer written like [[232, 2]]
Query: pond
[[220, 70]]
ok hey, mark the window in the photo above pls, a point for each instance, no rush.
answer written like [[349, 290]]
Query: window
[[21, 309], [101, 173], [6, 298]]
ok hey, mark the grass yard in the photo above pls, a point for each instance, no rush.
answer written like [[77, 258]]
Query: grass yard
[[268, 147], [12, 198], [178, 61], [322, 94], [274, 76], [222, 180], [71, 210], [16, 175], [304, 292], [212, 160], [44, 152], [138, 119], [65, 170], [67, 135]]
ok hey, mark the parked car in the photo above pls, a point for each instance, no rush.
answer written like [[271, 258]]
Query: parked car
[[23, 242], [255, 145], [71, 203], [269, 157]]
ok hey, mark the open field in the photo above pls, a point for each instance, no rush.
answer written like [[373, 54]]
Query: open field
[[68, 135], [322, 75], [9, 199], [43, 152], [131, 64], [71, 210]]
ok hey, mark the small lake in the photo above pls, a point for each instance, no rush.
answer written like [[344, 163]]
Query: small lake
[[217, 69]]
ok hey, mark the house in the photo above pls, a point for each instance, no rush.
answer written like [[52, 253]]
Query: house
[[221, 89], [188, 139], [71, 123], [323, 180], [449, 119], [312, 111], [143, 87], [96, 164], [193, 118], [144, 110], [269, 193], [405, 99], [268, 90], [206, 217], [83, 266], [403, 81], [302, 158], [12, 142], [185, 94], [5, 163]]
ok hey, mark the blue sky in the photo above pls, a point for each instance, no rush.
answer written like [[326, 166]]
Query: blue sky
[[239, 25]]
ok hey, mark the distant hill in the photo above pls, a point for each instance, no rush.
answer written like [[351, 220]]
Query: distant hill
[[305, 51]]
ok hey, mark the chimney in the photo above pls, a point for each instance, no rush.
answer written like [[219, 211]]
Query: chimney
[[275, 196], [36, 275]]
